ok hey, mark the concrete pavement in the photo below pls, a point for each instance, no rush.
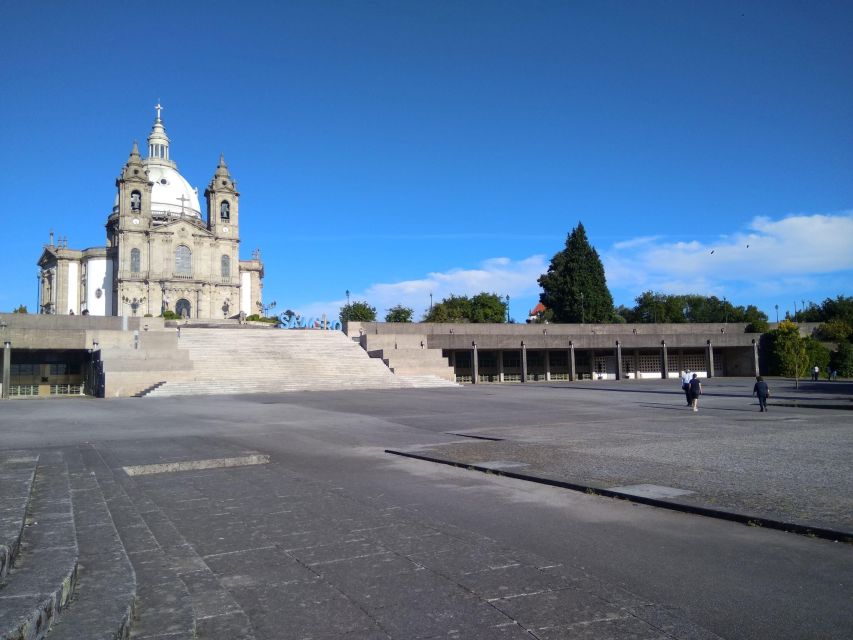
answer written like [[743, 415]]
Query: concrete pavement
[[332, 538]]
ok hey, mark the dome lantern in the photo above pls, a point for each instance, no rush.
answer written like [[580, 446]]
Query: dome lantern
[[158, 141]]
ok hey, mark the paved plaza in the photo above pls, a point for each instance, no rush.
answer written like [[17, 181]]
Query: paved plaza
[[285, 516]]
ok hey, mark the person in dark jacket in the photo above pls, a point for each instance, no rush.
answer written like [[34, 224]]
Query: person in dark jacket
[[695, 391], [762, 391]]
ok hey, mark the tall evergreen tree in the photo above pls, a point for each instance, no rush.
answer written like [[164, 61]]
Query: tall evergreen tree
[[575, 288]]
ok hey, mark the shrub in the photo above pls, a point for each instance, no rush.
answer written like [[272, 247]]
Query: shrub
[[834, 331], [757, 326], [842, 360]]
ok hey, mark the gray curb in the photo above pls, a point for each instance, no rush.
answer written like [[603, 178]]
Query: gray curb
[[720, 514]]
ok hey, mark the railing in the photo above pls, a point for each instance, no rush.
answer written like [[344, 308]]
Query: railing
[[66, 389], [23, 390], [181, 276]]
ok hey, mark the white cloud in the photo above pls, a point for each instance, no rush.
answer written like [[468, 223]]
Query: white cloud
[[769, 252], [770, 257], [494, 275]]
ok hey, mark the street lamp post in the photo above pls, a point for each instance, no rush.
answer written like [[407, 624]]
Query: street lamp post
[[348, 306], [777, 313], [582, 313], [507, 308]]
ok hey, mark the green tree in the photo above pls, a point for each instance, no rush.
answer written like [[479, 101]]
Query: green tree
[[452, 309], [659, 307], [626, 313], [358, 312], [488, 307], [758, 326], [787, 351], [399, 313], [574, 287], [754, 316], [842, 360], [816, 353], [483, 307], [21, 309], [841, 308], [835, 330]]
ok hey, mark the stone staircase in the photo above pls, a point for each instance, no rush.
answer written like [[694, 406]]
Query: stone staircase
[[65, 574], [229, 361], [408, 355]]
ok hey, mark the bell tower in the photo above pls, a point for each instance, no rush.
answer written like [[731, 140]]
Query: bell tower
[[134, 194], [223, 204]]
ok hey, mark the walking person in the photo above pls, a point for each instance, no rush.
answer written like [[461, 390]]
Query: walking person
[[762, 391], [815, 373], [684, 376], [694, 391]]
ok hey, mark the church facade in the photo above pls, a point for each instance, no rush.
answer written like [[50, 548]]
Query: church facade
[[161, 253]]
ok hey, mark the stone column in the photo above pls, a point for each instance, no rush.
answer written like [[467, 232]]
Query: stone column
[[592, 364], [7, 363], [523, 362], [500, 365], [664, 361], [709, 359], [475, 366], [547, 364], [572, 370], [755, 369], [636, 364], [618, 361]]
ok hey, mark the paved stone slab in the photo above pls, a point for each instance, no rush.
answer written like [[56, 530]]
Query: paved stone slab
[[195, 465]]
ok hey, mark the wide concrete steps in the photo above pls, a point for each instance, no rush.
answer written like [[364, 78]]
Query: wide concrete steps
[[228, 361], [39, 584], [66, 572], [17, 471]]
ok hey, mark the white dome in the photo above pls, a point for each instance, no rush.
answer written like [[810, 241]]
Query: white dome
[[169, 187], [171, 192]]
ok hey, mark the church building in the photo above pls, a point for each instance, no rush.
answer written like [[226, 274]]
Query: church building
[[161, 254]]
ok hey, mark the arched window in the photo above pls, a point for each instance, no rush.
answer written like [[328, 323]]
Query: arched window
[[134, 260], [226, 266], [135, 200], [225, 211], [183, 261]]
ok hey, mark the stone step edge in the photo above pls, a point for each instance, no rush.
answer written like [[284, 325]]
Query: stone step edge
[[10, 547], [117, 497], [86, 494], [36, 623], [146, 508]]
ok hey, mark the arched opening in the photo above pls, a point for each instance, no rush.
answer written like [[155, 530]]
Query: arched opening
[[183, 308], [225, 211], [134, 260], [226, 266], [183, 261], [135, 200]]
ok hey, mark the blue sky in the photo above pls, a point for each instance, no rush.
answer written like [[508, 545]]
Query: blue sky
[[394, 149]]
